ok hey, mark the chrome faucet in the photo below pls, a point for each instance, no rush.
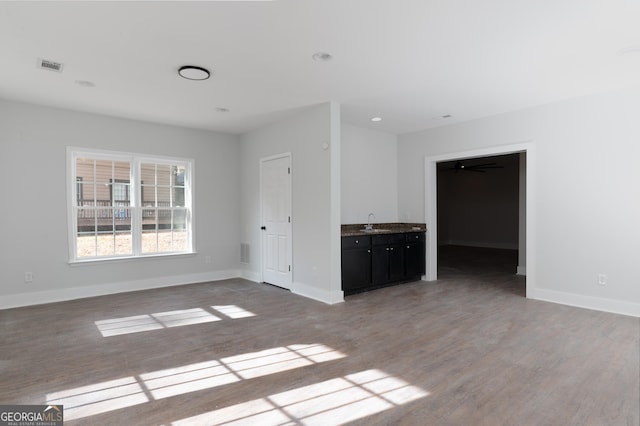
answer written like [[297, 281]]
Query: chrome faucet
[[369, 226]]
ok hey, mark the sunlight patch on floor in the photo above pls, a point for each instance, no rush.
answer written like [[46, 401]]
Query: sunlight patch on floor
[[189, 378], [160, 320], [115, 394], [273, 361], [139, 323], [99, 398], [334, 401], [233, 311]]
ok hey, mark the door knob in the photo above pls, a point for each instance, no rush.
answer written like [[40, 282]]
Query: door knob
[[264, 228]]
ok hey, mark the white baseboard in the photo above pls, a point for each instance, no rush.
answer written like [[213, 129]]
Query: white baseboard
[[328, 297], [61, 295], [250, 275], [588, 302], [301, 289], [483, 244], [522, 270]]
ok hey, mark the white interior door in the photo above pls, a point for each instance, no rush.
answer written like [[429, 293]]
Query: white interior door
[[275, 190]]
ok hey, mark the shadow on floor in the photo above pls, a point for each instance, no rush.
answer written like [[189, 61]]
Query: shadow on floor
[[495, 268]]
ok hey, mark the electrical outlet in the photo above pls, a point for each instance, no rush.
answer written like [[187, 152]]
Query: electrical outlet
[[28, 277], [602, 279]]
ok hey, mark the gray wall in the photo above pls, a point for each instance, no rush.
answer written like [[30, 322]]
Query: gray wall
[[33, 142], [585, 200], [369, 176], [315, 197]]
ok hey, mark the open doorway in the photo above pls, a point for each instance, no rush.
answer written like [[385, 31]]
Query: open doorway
[[478, 220], [526, 240]]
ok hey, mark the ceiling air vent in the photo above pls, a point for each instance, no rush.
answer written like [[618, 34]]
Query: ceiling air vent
[[46, 64]]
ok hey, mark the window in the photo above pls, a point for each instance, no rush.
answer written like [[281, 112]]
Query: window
[[120, 191], [128, 205]]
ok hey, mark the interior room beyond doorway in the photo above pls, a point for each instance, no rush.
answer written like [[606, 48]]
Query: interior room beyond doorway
[[479, 213]]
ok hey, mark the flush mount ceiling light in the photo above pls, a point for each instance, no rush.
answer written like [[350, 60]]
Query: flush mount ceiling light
[[376, 119], [321, 57], [191, 72]]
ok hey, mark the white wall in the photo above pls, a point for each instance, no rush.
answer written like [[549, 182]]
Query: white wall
[[315, 199], [33, 142], [587, 197], [369, 181]]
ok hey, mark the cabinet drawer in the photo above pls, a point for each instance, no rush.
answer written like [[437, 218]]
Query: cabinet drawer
[[356, 242], [415, 237], [380, 240]]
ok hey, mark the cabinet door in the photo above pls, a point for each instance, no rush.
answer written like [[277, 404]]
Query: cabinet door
[[414, 255], [396, 262], [356, 268], [380, 265]]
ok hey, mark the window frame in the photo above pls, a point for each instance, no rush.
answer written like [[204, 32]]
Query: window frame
[[135, 201]]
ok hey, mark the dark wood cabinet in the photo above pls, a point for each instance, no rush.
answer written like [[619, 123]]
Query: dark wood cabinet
[[375, 261], [414, 255], [356, 263], [396, 262], [388, 258]]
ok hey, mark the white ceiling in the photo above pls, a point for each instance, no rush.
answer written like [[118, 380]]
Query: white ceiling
[[408, 61]]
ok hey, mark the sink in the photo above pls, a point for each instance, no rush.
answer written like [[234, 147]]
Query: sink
[[374, 231]]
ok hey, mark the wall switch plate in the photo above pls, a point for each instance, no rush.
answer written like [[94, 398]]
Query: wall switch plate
[[207, 259], [602, 279], [28, 277]]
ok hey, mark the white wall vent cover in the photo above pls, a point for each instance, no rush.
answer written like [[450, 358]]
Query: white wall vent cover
[[46, 64], [244, 253]]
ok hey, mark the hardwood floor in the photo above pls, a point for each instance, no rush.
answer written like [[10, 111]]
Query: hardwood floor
[[468, 349]]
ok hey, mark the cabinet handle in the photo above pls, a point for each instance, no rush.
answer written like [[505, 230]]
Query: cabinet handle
[[387, 249], [391, 248], [408, 246], [357, 242], [368, 251]]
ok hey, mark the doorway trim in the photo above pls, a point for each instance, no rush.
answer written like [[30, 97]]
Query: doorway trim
[[262, 254], [431, 207]]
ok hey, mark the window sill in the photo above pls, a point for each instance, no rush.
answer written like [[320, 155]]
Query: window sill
[[129, 258]]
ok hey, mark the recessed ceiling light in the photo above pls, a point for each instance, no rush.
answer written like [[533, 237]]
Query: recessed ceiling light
[[85, 83], [191, 72], [376, 119], [322, 57]]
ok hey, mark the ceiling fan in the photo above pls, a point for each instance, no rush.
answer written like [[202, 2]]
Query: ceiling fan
[[478, 168]]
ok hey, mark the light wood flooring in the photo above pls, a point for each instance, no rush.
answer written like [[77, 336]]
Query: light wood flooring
[[468, 349]]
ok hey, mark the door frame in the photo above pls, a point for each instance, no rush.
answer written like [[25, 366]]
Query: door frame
[[263, 160], [431, 207]]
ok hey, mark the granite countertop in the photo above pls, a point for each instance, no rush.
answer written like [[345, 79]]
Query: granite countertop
[[382, 228]]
